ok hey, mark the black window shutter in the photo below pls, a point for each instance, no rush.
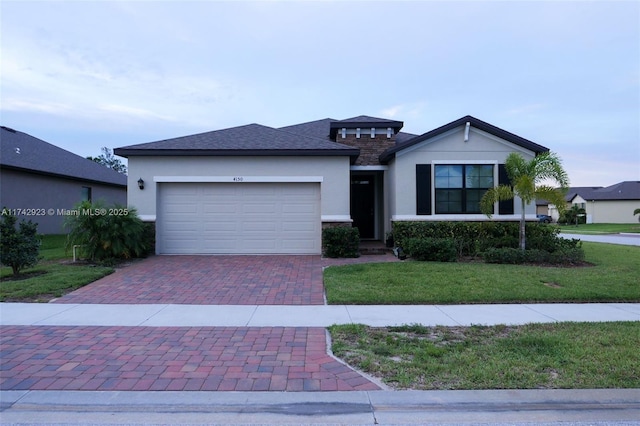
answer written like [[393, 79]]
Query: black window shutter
[[423, 189], [506, 206]]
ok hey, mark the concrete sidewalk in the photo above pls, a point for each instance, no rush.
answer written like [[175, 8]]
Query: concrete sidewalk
[[166, 315], [583, 406], [622, 239]]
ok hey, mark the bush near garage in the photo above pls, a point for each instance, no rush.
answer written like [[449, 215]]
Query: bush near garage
[[341, 242], [107, 234]]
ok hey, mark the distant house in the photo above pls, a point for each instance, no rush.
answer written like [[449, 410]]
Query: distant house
[[611, 204], [41, 182], [255, 189]]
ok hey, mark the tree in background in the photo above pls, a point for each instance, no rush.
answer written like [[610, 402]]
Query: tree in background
[[19, 246], [575, 215], [527, 179], [109, 160]]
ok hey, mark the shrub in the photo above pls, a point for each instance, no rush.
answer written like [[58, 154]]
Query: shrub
[[431, 249], [504, 255], [341, 242], [564, 256], [106, 234], [473, 238], [19, 247]]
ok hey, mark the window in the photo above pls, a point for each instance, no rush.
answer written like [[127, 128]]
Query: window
[[86, 193], [459, 188]]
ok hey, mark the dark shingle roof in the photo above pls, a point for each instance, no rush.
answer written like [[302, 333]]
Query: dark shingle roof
[[478, 124], [627, 190], [583, 191], [252, 139], [317, 128], [21, 151]]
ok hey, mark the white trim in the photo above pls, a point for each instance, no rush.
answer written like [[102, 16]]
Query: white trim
[[460, 217], [147, 217], [358, 133], [239, 179], [389, 130], [463, 162], [466, 131], [336, 218], [367, 168], [373, 132], [344, 132]]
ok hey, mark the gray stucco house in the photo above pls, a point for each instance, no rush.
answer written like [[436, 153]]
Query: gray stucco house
[[255, 189], [40, 181]]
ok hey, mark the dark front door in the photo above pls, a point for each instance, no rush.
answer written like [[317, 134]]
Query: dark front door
[[363, 204]]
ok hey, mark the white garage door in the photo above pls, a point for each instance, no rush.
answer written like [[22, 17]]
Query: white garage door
[[239, 218]]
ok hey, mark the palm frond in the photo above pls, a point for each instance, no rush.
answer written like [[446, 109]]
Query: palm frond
[[492, 196]]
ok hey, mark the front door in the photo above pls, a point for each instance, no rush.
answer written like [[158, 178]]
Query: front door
[[363, 191]]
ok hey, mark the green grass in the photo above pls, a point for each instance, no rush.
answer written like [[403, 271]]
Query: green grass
[[561, 355], [52, 247], [612, 278], [52, 277], [601, 228]]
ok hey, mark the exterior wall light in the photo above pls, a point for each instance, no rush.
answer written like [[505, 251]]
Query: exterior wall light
[[141, 183]]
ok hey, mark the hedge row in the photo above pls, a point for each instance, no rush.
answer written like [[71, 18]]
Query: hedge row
[[473, 238], [566, 256]]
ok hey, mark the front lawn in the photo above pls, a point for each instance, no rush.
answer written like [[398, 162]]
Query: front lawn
[[612, 278], [52, 277], [534, 356]]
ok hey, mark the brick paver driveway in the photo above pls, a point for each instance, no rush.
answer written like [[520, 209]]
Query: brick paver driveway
[[210, 280], [186, 358]]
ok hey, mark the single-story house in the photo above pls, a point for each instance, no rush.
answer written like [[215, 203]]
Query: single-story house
[[611, 204], [42, 182], [255, 189]]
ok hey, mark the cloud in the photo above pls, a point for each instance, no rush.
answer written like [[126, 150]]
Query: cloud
[[133, 112], [410, 110]]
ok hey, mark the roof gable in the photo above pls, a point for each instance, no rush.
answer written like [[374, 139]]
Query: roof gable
[[21, 151], [474, 122]]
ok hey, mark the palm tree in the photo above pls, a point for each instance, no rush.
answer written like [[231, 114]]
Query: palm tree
[[526, 182], [635, 212], [573, 214]]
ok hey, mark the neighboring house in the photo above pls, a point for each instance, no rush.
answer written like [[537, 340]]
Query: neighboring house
[[45, 181], [611, 204], [256, 189]]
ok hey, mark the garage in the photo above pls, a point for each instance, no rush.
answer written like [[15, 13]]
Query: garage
[[238, 218]]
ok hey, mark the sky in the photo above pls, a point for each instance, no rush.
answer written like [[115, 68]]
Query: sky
[[564, 74]]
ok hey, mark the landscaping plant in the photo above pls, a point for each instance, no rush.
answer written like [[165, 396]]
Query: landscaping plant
[[526, 179], [341, 242], [19, 246], [107, 234]]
